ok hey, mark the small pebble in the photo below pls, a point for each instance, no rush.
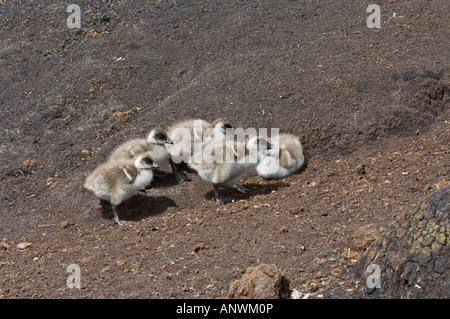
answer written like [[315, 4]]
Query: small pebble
[[361, 169], [24, 245], [199, 247], [64, 224]]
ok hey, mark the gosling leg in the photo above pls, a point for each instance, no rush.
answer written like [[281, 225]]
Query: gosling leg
[[116, 216], [219, 199], [179, 176]]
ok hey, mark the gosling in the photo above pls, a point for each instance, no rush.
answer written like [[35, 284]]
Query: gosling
[[227, 161], [154, 146], [190, 136], [116, 182], [285, 158]]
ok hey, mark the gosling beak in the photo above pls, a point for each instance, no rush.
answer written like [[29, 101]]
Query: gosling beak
[[155, 165], [169, 141]]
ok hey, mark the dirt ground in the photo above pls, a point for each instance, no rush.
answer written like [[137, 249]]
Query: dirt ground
[[371, 107]]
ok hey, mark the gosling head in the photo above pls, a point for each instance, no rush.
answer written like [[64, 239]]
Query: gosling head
[[145, 162], [158, 136], [223, 126], [258, 144], [274, 149]]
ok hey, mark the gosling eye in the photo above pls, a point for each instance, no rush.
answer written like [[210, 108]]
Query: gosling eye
[[147, 160], [161, 136]]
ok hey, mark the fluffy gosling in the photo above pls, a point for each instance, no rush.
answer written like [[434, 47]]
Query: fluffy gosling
[[285, 158], [154, 146], [190, 136], [116, 182], [227, 160]]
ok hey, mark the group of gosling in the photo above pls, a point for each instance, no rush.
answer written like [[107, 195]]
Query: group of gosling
[[129, 168]]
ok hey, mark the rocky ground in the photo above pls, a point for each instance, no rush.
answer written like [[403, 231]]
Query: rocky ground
[[371, 107]]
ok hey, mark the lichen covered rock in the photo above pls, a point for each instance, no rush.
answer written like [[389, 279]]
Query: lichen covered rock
[[412, 256]]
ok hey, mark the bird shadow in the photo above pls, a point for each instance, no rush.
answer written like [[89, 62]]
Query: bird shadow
[[304, 166], [167, 179], [140, 207], [162, 179], [253, 190]]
